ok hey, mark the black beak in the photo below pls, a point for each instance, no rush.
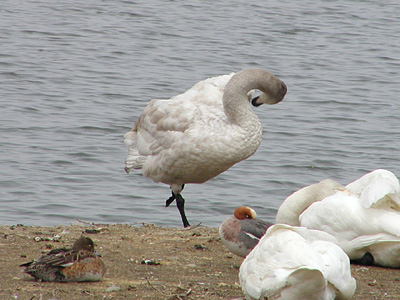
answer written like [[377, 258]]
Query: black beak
[[254, 102]]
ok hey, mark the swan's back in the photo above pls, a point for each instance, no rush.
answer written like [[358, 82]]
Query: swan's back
[[293, 264]]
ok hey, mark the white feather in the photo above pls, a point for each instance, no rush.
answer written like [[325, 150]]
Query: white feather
[[292, 263], [364, 217]]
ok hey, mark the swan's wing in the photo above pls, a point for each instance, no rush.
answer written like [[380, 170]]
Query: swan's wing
[[368, 240], [340, 215], [335, 264], [388, 202], [385, 248], [302, 283], [356, 228], [374, 186], [280, 252], [164, 122], [336, 268]]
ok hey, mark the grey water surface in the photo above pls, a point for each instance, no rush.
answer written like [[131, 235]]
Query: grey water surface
[[75, 75]]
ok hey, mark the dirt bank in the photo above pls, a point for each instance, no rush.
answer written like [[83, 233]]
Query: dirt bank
[[189, 264]]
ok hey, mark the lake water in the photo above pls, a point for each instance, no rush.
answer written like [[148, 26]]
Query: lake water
[[75, 75]]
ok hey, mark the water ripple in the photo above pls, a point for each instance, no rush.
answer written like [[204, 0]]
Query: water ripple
[[75, 77]]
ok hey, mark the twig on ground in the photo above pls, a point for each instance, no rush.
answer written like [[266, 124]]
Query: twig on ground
[[87, 223], [153, 287], [180, 296], [191, 227]]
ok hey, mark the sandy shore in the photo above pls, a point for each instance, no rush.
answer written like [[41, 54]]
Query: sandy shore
[[191, 264]]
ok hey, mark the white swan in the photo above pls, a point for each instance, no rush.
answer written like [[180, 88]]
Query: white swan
[[201, 133], [364, 217], [295, 263]]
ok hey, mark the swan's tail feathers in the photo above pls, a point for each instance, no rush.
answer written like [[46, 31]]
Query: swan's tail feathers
[[133, 160], [304, 283], [130, 138]]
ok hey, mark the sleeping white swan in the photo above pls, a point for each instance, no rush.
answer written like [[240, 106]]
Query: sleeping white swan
[[296, 263], [201, 133], [364, 217]]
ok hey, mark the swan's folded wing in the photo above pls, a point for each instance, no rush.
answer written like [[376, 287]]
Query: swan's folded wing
[[336, 267], [373, 188], [302, 283], [280, 252], [353, 247], [164, 121]]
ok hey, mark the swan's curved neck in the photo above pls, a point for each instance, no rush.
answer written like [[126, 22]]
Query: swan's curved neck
[[236, 103], [298, 202]]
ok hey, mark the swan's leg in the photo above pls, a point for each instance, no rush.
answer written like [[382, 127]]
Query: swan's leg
[[170, 200], [173, 197], [180, 203]]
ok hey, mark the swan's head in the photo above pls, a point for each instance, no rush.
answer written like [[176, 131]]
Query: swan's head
[[276, 92]]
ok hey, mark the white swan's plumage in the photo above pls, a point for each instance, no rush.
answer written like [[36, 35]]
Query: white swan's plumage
[[201, 133], [364, 217], [163, 123], [294, 263], [296, 203], [359, 230], [375, 188]]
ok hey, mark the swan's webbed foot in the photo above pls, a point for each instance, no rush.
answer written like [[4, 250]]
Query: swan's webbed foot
[[180, 203], [366, 260]]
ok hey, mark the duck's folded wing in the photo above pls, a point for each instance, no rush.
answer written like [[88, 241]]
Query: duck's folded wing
[[60, 258], [254, 229]]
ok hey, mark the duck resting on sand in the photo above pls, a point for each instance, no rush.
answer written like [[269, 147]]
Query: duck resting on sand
[[201, 133], [241, 232], [80, 263]]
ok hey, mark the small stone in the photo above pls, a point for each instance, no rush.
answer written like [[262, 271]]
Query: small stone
[[113, 288], [56, 238], [199, 247], [91, 231]]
